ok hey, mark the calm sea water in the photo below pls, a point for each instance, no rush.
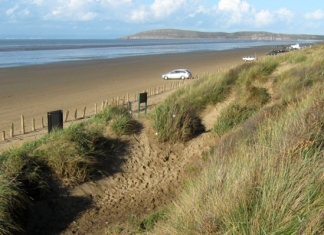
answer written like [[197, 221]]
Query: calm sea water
[[38, 51]]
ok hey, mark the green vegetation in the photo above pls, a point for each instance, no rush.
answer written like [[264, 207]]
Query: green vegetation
[[264, 175], [70, 156]]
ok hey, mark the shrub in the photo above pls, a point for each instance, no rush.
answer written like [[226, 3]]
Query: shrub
[[176, 122], [124, 124]]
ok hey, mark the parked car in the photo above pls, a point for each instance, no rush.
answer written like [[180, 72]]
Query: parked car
[[272, 53], [177, 74], [282, 51], [249, 58]]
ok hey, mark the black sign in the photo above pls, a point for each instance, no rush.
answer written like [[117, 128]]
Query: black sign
[[143, 97], [55, 120]]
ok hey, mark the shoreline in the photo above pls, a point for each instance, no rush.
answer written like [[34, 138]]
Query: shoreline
[[34, 90]]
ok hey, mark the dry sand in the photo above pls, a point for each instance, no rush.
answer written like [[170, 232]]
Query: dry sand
[[32, 91]]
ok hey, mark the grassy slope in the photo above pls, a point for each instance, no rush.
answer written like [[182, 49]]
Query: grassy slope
[[264, 176]]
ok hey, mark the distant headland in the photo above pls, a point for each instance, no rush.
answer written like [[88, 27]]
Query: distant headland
[[242, 35]]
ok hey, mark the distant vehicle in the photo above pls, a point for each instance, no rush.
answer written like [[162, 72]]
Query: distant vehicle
[[272, 53], [281, 51], [177, 74], [295, 47], [249, 58]]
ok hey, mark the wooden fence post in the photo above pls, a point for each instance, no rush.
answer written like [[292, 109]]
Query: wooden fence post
[[84, 112], [75, 114], [33, 124], [43, 122], [12, 134], [102, 105], [66, 115], [96, 109], [3, 135], [22, 122]]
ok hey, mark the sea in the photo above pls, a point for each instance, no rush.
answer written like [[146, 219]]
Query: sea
[[26, 52]]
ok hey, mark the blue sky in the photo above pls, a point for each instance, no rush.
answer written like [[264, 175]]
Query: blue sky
[[118, 18]]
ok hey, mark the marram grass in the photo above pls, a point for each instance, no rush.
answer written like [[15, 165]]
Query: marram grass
[[68, 156], [267, 176]]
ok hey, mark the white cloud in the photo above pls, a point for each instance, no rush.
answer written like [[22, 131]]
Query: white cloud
[[285, 15], [57, 12], [12, 10], [162, 8], [38, 2], [87, 16], [235, 10], [26, 12], [200, 10], [139, 15], [263, 18], [158, 10], [76, 10], [316, 15], [237, 6], [115, 2]]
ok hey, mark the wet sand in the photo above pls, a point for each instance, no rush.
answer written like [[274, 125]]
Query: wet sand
[[33, 91]]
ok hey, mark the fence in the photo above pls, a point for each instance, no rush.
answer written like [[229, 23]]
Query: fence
[[75, 115]]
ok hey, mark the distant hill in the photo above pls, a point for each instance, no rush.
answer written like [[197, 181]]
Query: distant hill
[[243, 35]]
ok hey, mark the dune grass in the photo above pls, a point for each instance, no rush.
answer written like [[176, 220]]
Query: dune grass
[[67, 156], [265, 176], [177, 119], [263, 181]]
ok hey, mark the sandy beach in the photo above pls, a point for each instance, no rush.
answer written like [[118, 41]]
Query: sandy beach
[[151, 175], [33, 91]]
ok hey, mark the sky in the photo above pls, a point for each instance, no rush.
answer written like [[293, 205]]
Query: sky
[[110, 19]]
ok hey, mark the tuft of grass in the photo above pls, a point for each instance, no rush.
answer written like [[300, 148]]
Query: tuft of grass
[[147, 224], [233, 116], [257, 72], [13, 207], [23, 167], [176, 122], [123, 123], [257, 96]]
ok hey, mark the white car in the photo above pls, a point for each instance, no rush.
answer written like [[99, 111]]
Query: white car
[[177, 74], [249, 58]]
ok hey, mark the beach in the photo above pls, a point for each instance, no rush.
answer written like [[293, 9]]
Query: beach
[[143, 175], [32, 91]]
